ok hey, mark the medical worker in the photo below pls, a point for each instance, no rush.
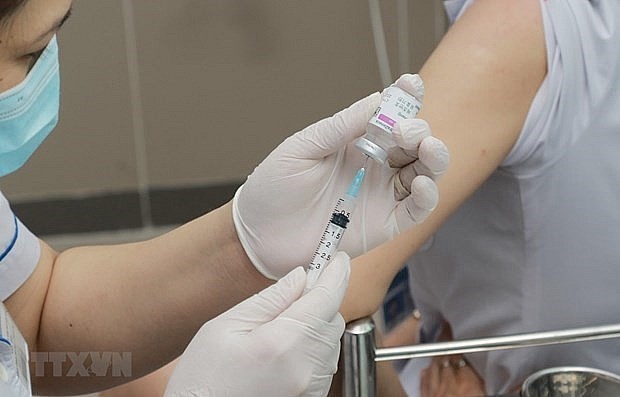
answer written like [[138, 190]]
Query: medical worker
[[526, 95], [150, 298]]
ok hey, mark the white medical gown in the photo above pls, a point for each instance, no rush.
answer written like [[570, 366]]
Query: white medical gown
[[19, 251]]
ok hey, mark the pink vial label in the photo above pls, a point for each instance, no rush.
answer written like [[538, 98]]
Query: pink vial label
[[386, 119]]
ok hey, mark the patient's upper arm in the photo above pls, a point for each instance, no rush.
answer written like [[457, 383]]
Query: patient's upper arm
[[480, 82]]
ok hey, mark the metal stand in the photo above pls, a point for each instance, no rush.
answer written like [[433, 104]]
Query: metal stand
[[359, 359], [360, 354]]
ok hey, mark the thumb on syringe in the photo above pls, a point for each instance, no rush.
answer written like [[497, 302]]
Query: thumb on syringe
[[331, 134], [323, 299]]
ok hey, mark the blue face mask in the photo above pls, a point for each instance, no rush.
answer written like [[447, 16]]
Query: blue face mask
[[454, 8], [29, 111]]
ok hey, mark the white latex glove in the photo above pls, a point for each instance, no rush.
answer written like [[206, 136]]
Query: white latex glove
[[282, 209], [276, 343]]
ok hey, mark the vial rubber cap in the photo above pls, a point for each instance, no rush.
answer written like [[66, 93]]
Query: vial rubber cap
[[371, 149]]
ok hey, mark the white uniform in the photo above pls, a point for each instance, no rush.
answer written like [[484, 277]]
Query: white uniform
[[537, 247], [19, 251]]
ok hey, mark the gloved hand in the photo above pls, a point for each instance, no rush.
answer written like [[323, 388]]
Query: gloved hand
[[276, 343], [282, 209]]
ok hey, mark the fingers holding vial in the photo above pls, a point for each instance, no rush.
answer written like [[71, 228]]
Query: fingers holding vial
[[432, 159], [406, 143], [395, 136], [407, 134], [400, 101], [418, 205], [422, 159], [415, 183]]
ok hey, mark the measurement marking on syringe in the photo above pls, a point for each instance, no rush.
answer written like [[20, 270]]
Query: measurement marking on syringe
[[334, 231]]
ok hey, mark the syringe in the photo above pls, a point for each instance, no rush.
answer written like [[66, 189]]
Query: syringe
[[335, 229]]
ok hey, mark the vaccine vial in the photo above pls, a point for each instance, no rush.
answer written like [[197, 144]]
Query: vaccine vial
[[396, 104]]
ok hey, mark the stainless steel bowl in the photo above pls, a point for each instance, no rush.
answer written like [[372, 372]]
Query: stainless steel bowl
[[571, 382]]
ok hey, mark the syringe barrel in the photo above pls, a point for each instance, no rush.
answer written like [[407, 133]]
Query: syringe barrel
[[346, 205], [335, 229], [327, 246]]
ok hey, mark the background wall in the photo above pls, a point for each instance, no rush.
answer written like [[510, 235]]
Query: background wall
[[168, 105]]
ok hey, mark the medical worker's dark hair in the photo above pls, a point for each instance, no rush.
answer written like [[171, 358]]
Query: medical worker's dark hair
[[8, 8]]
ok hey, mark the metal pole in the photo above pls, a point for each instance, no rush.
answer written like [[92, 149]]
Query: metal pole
[[360, 353], [359, 359], [499, 342]]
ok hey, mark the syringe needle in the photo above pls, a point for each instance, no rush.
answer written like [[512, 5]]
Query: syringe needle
[[365, 161]]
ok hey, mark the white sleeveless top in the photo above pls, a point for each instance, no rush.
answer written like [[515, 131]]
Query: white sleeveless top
[[537, 246], [19, 251]]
